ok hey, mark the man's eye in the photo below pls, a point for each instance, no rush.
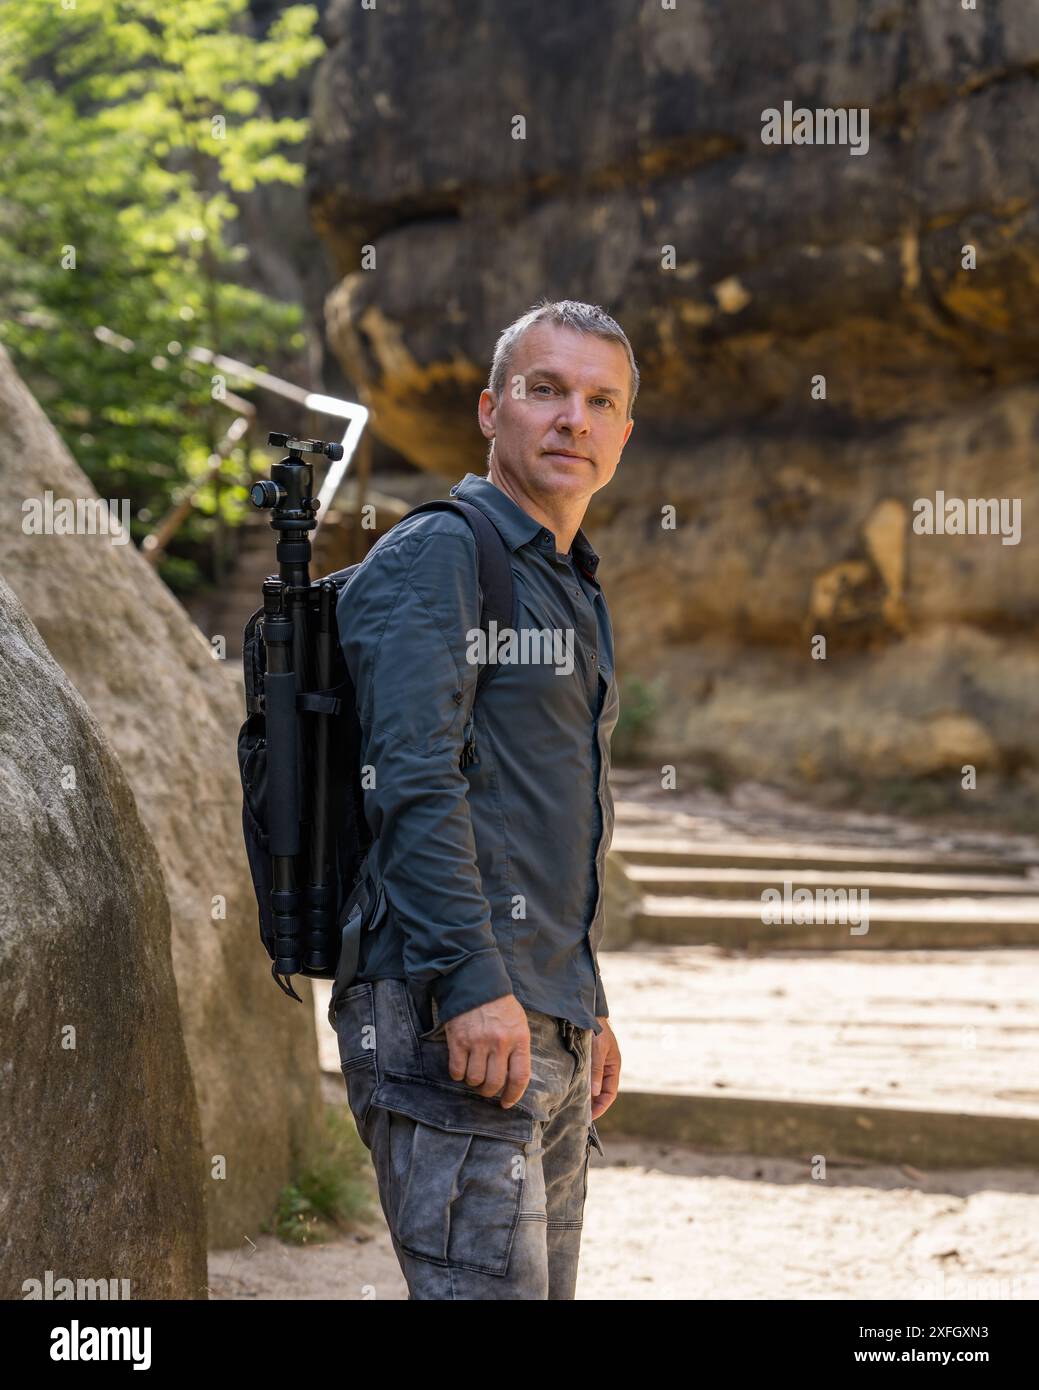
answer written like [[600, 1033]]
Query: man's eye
[[543, 384], [605, 399]]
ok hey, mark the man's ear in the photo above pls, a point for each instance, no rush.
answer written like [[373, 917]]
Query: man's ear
[[486, 410]]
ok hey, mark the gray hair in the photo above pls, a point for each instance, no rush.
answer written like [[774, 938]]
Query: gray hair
[[567, 313]]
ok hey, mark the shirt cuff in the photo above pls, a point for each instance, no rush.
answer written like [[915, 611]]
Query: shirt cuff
[[480, 978]]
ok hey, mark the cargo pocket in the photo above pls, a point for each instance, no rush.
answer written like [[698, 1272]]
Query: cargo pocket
[[355, 1029], [459, 1171]]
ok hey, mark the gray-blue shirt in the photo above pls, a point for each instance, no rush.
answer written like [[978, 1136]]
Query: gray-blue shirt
[[493, 873]]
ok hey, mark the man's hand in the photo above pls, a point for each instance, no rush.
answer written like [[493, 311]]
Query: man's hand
[[489, 1047], [606, 1069]]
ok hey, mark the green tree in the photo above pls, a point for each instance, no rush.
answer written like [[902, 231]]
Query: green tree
[[125, 129]]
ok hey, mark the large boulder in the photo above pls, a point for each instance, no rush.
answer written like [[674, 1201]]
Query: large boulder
[[171, 713], [103, 1174], [741, 271]]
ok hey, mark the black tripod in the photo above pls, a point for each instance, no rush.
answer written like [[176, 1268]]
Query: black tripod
[[299, 634]]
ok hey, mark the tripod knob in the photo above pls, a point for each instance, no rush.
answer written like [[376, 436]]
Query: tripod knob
[[265, 493]]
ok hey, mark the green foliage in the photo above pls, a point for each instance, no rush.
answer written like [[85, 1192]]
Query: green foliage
[[333, 1190], [639, 703], [125, 127]]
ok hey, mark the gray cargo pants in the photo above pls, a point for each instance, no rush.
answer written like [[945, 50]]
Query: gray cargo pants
[[481, 1202]]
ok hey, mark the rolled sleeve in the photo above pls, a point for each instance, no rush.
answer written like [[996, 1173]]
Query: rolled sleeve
[[403, 621]]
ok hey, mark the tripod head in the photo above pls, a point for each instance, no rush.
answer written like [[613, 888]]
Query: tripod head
[[306, 446], [287, 491]]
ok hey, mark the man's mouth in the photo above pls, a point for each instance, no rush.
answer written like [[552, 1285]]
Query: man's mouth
[[568, 454]]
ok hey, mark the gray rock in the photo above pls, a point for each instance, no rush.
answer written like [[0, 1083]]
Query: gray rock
[[171, 713], [103, 1172]]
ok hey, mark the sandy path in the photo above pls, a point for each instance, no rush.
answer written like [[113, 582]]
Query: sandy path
[[667, 1222]]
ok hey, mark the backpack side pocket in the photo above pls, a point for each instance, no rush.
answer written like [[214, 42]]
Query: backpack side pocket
[[252, 766]]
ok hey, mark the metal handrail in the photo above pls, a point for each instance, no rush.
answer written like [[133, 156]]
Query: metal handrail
[[354, 413]]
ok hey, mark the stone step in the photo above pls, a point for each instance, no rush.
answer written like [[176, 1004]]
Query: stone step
[[664, 880], [900, 923], [925, 1058], [675, 851]]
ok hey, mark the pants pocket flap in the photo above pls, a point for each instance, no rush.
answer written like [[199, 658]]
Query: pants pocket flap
[[453, 1110]]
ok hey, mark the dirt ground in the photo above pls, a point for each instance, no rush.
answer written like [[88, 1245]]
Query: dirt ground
[[664, 1221]]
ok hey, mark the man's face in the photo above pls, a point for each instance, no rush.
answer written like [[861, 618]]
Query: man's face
[[564, 434]]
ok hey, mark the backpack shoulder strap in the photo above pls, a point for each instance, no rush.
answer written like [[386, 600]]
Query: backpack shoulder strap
[[494, 569]]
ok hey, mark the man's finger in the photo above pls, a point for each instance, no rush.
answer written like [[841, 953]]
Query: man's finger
[[457, 1058], [476, 1065], [494, 1077], [519, 1075]]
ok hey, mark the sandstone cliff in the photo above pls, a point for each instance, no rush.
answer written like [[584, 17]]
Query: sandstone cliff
[[642, 132]]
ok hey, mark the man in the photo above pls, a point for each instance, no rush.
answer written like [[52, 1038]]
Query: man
[[475, 1044]]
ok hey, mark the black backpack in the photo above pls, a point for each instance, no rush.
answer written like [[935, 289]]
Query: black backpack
[[342, 880]]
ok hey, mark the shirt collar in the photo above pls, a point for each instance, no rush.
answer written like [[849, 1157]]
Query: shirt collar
[[517, 526]]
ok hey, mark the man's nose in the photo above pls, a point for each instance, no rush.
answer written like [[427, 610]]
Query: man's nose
[[574, 414]]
